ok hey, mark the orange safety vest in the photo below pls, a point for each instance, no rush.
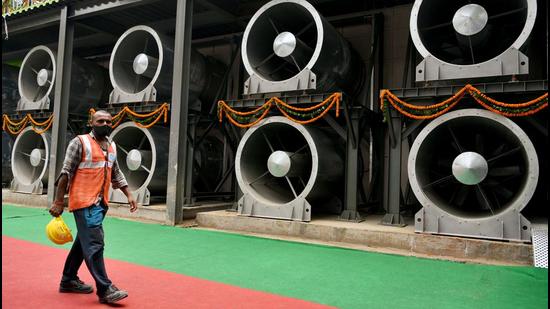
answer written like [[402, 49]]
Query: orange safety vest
[[93, 175]]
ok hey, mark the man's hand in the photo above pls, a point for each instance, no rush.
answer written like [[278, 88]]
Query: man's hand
[[57, 209], [131, 200], [133, 203]]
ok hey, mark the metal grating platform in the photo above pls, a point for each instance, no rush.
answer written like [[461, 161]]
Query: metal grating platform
[[539, 233]]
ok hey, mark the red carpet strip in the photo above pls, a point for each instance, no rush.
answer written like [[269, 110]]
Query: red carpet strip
[[31, 274]]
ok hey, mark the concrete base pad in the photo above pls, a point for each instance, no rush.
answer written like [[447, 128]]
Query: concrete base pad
[[370, 235]]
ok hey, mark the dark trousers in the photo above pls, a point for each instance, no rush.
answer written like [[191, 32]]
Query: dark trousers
[[88, 247]]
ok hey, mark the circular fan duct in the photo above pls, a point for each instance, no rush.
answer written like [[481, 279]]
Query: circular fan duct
[[473, 171], [29, 161], [142, 156], [141, 66], [10, 94], [37, 78], [7, 145], [288, 45], [283, 167], [463, 39]]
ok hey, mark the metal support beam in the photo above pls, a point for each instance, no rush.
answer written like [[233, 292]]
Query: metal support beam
[[392, 166], [350, 212], [177, 157], [190, 163], [61, 99]]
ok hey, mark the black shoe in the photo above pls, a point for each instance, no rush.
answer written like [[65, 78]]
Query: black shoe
[[75, 286], [112, 295]]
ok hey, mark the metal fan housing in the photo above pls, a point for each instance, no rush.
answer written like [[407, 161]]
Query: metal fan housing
[[473, 171]]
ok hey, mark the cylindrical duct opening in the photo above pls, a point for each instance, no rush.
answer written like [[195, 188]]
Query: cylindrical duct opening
[[37, 74], [317, 164], [142, 156], [464, 33], [30, 156], [284, 38], [37, 77], [137, 59], [473, 164]]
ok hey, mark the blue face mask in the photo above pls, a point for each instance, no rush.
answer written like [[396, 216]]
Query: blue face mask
[[102, 131]]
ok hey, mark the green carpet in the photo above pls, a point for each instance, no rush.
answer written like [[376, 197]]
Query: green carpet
[[333, 276]]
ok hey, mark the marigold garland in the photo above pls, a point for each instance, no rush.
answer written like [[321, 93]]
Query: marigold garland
[[141, 120], [15, 127], [438, 109], [301, 115]]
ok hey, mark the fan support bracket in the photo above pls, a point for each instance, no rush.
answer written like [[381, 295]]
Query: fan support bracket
[[297, 210], [36, 187], [142, 196], [25, 105], [509, 225], [511, 62], [149, 94], [304, 80]]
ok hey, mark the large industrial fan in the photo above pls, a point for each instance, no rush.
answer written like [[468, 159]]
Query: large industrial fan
[[463, 39], [283, 168], [473, 171], [29, 161], [143, 159], [141, 65], [288, 45], [37, 78]]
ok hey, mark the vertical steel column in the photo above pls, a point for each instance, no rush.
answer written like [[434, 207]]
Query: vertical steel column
[[177, 157], [393, 160], [392, 190], [350, 212], [61, 99], [191, 136]]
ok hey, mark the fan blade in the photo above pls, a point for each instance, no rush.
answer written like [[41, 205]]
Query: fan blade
[[502, 191], [502, 155], [295, 63], [299, 149], [460, 149], [436, 26], [304, 29], [291, 186], [265, 60], [479, 144], [273, 25], [482, 199], [258, 178], [38, 90], [439, 181], [267, 141], [498, 150], [507, 13], [505, 171], [461, 195], [471, 46]]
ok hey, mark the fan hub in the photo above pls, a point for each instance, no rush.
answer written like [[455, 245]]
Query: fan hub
[[35, 157], [470, 168], [279, 163], [470, 19], [141, 63], [133, 160], [284, 44], [42, 77]]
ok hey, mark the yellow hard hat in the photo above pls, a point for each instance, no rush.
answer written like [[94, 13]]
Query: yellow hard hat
[[58, 232]]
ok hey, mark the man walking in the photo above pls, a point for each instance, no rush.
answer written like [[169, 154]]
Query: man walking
[[89, 168]]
